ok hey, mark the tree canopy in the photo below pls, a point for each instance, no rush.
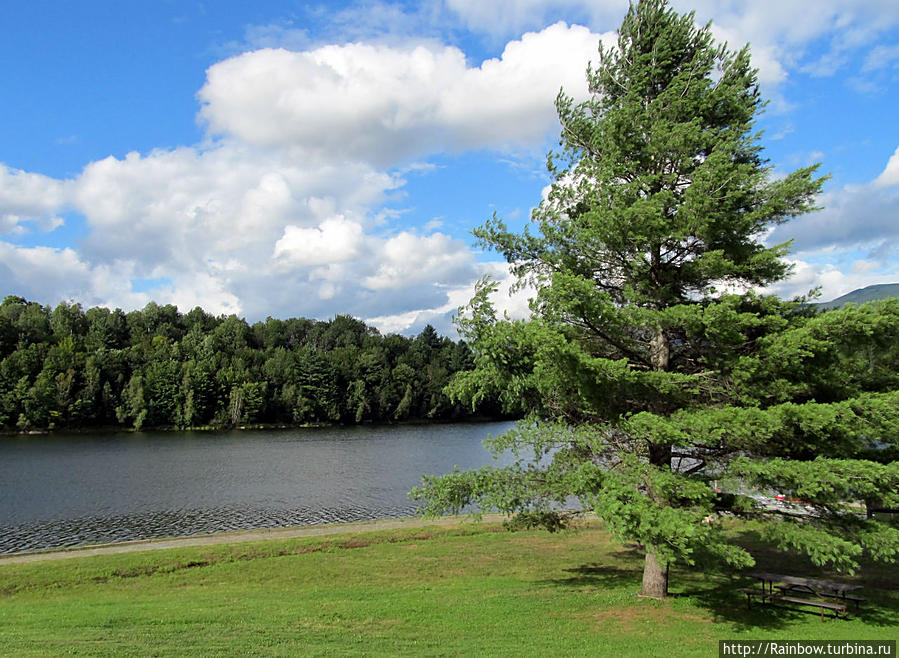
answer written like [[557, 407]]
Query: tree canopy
[[65, 367], [649, 368]]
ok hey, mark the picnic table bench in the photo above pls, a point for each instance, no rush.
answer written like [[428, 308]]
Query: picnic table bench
[[793, 589]]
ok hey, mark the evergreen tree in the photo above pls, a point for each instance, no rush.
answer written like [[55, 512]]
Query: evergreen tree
[[645, 381]]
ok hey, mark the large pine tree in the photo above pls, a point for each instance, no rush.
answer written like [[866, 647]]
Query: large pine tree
[[647, 369]]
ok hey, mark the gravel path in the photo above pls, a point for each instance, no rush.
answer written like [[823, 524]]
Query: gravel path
[[240, 537]]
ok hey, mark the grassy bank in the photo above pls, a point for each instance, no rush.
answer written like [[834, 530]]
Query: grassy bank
[[476, 590]]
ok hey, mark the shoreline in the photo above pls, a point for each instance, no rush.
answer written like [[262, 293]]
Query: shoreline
[[242, 536], [247, 427]]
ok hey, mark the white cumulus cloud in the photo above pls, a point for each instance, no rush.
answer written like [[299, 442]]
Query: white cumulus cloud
[[852, 242], [410, 259], [781, 33], [855, 216], [29, 197], [383, 104], [890, 175], [334, 241]]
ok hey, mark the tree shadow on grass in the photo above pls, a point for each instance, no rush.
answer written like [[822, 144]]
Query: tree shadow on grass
[[600, 576], [721, 598], [717, 589], [618, 569], [728, 604]]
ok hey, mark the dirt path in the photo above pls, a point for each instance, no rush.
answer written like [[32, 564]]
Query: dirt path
[[242, 536]]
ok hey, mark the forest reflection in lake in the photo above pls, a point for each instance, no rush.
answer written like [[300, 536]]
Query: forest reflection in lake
[[65, 490]]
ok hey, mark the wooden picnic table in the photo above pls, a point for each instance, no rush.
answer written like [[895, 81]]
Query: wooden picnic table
[[809, 585], [788, 587]]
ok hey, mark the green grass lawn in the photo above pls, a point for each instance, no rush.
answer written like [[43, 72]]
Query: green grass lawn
[[473, 591]]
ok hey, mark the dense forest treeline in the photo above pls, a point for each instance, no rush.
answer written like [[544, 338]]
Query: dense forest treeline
[[65, 367]]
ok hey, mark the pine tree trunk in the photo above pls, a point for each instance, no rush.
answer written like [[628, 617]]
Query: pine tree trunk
[[655, 576]]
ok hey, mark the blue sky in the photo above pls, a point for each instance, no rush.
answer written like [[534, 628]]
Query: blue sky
[[308, 159]]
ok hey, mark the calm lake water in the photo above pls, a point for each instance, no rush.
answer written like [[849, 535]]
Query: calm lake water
[[65, 490]]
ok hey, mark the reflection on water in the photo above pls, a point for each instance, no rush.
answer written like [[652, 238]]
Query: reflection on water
[[83, 489]]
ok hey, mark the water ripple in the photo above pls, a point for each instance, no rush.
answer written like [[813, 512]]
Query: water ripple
[[177, 523]]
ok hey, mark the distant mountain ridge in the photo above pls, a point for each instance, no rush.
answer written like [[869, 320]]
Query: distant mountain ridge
[[862, 295]]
